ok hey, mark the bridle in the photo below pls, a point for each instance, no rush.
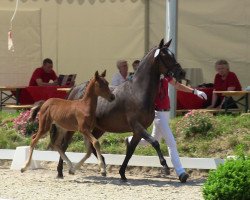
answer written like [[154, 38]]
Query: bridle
[[169, 67]]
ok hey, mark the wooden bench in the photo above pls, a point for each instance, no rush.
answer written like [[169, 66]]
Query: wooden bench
[[213, 111], [18, 107]]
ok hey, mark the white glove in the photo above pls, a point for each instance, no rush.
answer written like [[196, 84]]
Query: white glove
[[200, 94]]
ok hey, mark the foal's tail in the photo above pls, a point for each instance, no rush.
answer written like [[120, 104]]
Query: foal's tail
[[35, 109]]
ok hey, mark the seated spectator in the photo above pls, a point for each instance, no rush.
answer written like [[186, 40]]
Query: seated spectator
[[121, 75], [42, 75], [135, 65], [224, 80]]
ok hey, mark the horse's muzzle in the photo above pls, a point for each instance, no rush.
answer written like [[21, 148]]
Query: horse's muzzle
[[180, 74]]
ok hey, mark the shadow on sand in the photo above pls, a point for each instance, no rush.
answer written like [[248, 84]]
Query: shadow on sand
[[170, 181]]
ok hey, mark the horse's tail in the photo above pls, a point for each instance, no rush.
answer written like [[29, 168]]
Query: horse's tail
[[35, 109]]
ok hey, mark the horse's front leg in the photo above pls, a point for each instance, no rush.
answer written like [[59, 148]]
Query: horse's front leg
[[141, 132], [130, 150], [156, 145]]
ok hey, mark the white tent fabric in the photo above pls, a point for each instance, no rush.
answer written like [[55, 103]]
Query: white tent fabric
[[15, 67], [212, 30], [82, 36]]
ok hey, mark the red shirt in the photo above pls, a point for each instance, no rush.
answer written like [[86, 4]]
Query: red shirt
[[230, 81], [39, 73], [162, 98]]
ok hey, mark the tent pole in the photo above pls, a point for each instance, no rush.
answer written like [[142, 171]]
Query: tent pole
[[171, 33]]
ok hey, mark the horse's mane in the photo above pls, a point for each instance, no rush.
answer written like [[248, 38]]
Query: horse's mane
[[149, 51]]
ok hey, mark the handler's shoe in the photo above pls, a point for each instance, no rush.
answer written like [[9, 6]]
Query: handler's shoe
[[183, 177]]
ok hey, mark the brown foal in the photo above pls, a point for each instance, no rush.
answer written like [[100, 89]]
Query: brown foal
[[77, 115]]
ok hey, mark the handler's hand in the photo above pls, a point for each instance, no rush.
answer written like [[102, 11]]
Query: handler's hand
[[200, 94]]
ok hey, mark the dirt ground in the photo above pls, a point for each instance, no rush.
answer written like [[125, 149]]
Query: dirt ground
[[87, 183]]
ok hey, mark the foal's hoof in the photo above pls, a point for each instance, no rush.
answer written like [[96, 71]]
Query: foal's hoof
[[72, 172], [22, 170], [104, 174]]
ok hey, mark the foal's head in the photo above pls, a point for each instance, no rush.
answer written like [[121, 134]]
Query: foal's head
[[102, 87], [167, 62]]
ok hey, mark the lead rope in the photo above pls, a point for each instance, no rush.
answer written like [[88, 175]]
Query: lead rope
[[10, 35]]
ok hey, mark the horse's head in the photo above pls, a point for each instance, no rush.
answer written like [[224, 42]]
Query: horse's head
[[167, 62], [102, 87]]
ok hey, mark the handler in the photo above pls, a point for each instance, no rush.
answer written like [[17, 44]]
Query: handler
[[161, 127]]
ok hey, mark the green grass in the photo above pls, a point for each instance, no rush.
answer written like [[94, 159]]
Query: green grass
[[230, 130]]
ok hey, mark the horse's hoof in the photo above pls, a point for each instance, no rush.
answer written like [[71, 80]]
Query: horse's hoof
[[124, 180], [22, 170], [104, 174], [59, 177], [72, 172], [166, 171]]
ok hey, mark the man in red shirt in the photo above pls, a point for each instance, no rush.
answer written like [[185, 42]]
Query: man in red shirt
[[224, 80], [42, 75]]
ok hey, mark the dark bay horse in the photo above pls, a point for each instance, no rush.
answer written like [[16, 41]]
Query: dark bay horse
[[133, 108], [78, 115]]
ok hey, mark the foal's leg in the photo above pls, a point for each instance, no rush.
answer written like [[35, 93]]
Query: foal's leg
[[62, 138], [96, 145], [44, 126], [64, 145], [57, 143], [97, 133], [89, 151]]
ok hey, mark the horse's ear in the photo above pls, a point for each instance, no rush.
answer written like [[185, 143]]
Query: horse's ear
[[103, 73], [96, 75], [161, 43], [168, 43]]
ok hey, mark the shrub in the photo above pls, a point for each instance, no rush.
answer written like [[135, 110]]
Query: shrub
[[195, 122], [230, 181], [23, 125]]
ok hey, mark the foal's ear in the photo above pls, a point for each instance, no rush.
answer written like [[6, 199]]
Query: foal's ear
[[103, 73], [96, 75], [168, 43], [161, 43]]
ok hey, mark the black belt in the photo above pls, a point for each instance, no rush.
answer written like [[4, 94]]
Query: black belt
[[162, 110]]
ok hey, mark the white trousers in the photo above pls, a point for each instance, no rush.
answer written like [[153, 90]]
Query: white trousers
[[161, 130]]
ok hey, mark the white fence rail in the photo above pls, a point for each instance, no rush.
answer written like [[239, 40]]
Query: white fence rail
[[19, 156]]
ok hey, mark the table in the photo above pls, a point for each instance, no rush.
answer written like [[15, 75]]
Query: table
[[64, 89], [32, 94], [188, 101], [242, 95], [8, 93]]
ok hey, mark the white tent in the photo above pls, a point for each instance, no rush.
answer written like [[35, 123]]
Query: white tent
[[82, 36]]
